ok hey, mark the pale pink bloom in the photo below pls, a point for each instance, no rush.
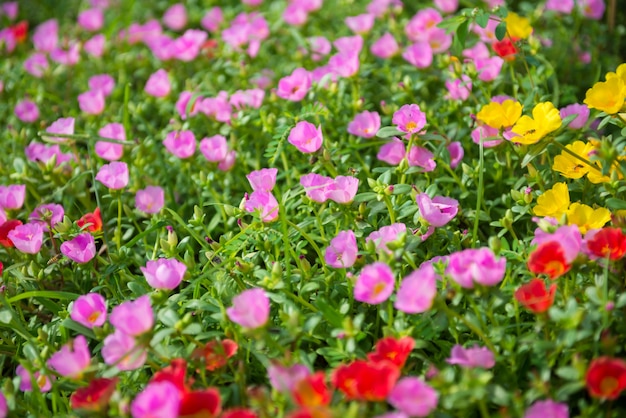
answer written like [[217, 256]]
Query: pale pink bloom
[[419, 54], [109, 150], [46, 36], [99, 4], [380, 7], [187, 47], [36, 64], [483, 132], [252, 2], [95, 45], [360, 24], [316, 186], [478, 51], [306, 137], [7, 40], [103, 83], [568, 236], [344, 64], [158, 400], [413, 396], [26, 111], [320, 47], [375, 284], [9, 9], [263, 179], [66, 57], [89, 310], [488, 33], [409, 119], [421, 26], [44, 153], [150, 200], [47, 215], [91, 102], [309, 5], [158, 85], [214, 148], [44, 382], [393, 152], [417, 290], [81, 249], [447, 6], [133, 317], [295, 15], [439, 41], [343, 189], [113, 175], [489, 68], [584, 57], [455, 149], [494, 3], [142, 33], [4, 408], [247, 98], [181, 144], [263, 203], [122, 350], [164, 273], [349, 44], [324, 74], [582, 112], [472, 357], [421, 157], [365, 124], [437, 211], [91, 20], [593, 9], [212, 19], [385, 47], [294, 87], [561, 6], [386, 235], [27, 238], [162, 47], [12, 196], [63, 126], [175, 17], [395, 414], [476, 266], [285, 379], [217, 107], [342, 251], [459, 89], [3, 216], [183, 104], [547, 409], [72, 359], [251, 308], [228, 162]]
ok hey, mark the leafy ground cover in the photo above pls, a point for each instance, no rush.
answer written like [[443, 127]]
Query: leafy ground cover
[[312, 209]]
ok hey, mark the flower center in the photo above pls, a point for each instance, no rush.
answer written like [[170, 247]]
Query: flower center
[[609, 385], [411, 126], [93, 317]]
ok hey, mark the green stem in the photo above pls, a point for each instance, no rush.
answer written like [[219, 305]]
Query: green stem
[[573, 154], [476, 330], [479, 197], [118, 231]]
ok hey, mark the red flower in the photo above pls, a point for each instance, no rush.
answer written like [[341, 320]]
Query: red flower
[[5, 228], [548, 258], [395, 351], [94, 397], [92, 220], [239, 413], [216, 353], [606, 378], [608, 242], [312, 391], [318, 412], [365, 380], [174, 373], [20, 30], [505, 49], [535, 297], [1, 268]]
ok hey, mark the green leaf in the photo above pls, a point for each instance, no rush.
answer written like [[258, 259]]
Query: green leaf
[[482, 19], [501, 31], [365, 197], [451, 25], [534, 151], [332, 316], [389, 131], [50, 294], [75, 326], [615, 204]]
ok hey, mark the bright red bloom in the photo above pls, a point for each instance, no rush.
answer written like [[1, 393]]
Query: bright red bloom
[[606, 378], [395, 351], [318, 412], [1, 268], [174, 373], [535, 297], [5, 228], [548, 258], [608, 242], [239, 413], [365, 380], [93, 219], [20, 30], [216, 353], [505, 49], [94, 397], [312, 391]]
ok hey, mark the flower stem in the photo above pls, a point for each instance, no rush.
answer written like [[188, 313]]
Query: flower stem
[[479, 196]]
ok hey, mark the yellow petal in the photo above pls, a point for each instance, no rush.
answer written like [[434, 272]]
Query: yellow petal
[[607, 96], [553, 202]]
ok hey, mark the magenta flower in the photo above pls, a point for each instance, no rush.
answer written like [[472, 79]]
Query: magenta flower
[[91, 20], [187, 47], [90, 310], [472, 357], [417, 290], [547, 409], [158, 399], [342, 251], [113, 175], [347, 44], [175, 17], [72, 359], [344, 64], [455, 149], [150, 200], [9, 9], [158, 85], [251, 308], [64, 126], [320, 47], [214, 148], [447, 6], [295, 15], [560, 6], [343, 189], [36, 64], [103, 83], [409, 119], [385, 47], [12, 196], [217, 107], [365, 124], [263, 179], [108, 150], [46, 36], [44, 382], [228, 162], [437, 211], [419, 54], [295, 86], [483, 132], [360, 24], [393, 152], [285, 379], [421, 157], [48, 215], [164, 273], [375, 284], [413, 397], [212, 19], [459, 89], [306, 137], [44, 153], [91, 102], [568, 236], [4, 408], [181, 144], [252, 98], [593, 9], [488, 68], [316, 186], [582, 112], [264, 203], [133, 317], [66, 57], [385, 235], [121, 350], [95, 45], [27, 238], [423, 24], [80, 249], [476, 266], [27, 111]]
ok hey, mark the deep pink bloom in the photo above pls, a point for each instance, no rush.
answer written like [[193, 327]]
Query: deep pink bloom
[[264, 203], [212, 19], [122, 350], [423, 24], [133, 317], [315, 186], [472, 357], [385, 235], [421, 157], [9, 9], [561, 6], [46, 36], [375, 284], [263, 179], [488, 68], [183, 106], [36, 64], [568, 237], [12, 196], [251, 308], [63, 126], [344, 64], [27, 238], [437, 211], [365, 124], [455, 149], [306, 137], [95, 45], [459, 89], [181, 144], [48, 215], [393, 152], [593, 9], [69, 56], [91, 20], [111, 151], [228, 162], [90, 310], [113, 175], [103, 83], [582, 112], [419, 54], [217, 107], [150, 200], [80, 249], [157, 400], [380, 7], [476, 266], [72, 359], [27, 111], [413, 396], [295, 15], [187, 47], [44, 382], [343, 189], [44, 153], [4, 408], [342, 251], [360, 24], [214, 148], [91, 102], [417, 290], [385, 47], [164, 273], [175, 17], [285, 379], [409, 119], [294, 87], [547, 409], [247, 98]]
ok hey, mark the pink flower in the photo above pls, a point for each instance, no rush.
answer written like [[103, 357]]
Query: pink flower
[[264, 203], [459, 89], [212, 19], [164, 273], [91, 102], [285, 379], [66, 57], [413, 397], [91, 20], [569, 238], [150, 200], [44, 382], [320, 47], [133, 317], [547, 409], [187, 47], [295, 15], [251, 98], [315, 186], [375, 284], [263, 179], [343, 189], [437, 211], [27, 238], [306, 137], [46, 36], [593, 9], [44, 153], [365, 124], [158, 399], [217, 107], [9, 9], [455, 149], [484, 132], [183, 106], [27, 111], [80, 249], [447, 6], [251, 308], [109, 150], [89, 310], [48, 215], [181, 144], [417, 290], [4, 408], [393, 152], [476, 266], [95, 45], [421, 157], [228, 162], [122, 350], [158, 84], [419, 54], [342, 251], [360, 24], [409, 119], [472, 357], [561, 6], [582, 112], [386, 235], [103, 83], [63, 126], [214, 148], [488, 68], [72, 359], [349, 44], [385, 47], [113, 175], [12, 196], [423, 24], [36, 64], [175, 17], [294, 87]]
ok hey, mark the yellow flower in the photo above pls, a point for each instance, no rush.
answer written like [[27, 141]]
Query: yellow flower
[[570, 166], [620, 72], [553, 202], [586, 218], [500, 115], [517, 26], [607, 96], [546, 118]]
